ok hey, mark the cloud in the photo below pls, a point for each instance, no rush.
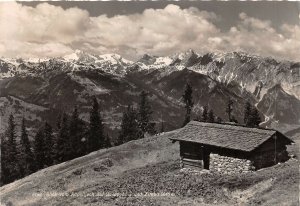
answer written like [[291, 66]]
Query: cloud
[[48, 30], [258, 36], [43, 23], [158, 31], [45, 30], [31, 49]]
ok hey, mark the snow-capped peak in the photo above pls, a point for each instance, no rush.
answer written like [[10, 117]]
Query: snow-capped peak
[[163, 61], [37, 60], [110, 56], [82, 56], [184, 55], [114, 58], [71, 57], [79, 55]]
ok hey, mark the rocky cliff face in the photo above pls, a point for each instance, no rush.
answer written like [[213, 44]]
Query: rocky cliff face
[[277, 105], [61, 83]]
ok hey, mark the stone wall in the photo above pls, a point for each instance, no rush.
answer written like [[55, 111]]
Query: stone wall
[[229, 165]]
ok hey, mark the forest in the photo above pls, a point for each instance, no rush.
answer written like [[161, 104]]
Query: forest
[[72, 137]]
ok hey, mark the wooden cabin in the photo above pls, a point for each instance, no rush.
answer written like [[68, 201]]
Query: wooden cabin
[[230, 148]]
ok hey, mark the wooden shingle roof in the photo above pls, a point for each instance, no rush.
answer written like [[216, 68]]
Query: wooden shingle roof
[[222, 135]]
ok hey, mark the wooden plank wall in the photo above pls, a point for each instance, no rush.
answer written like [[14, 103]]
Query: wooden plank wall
[[264, 156], [191, 163]]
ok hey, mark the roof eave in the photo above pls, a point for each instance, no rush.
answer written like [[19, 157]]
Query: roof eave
[[185, 140]]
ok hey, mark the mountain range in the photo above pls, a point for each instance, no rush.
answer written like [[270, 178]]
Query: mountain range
[[39, 89]]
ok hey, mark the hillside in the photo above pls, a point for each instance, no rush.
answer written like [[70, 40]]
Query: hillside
[[150, 165]]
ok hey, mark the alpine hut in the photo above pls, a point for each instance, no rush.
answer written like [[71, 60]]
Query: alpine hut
[[230, 148]]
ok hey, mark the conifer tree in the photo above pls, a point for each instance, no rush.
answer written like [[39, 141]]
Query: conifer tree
[[76, 134], [254, 118], [62, 144], [229, 109], [107, 142], [11, 153], [84, 144], [26, 159], [56, 133], [130, 129], [144, 114], [4, 161], [198, 117], [233, 119], [49, 144], [39, 149], [211, 116], [58, 121], [84, 139], [162, 126], [96, 136], [219, 120], [123, 136], [188, 100], [247, 113], [204, 117]]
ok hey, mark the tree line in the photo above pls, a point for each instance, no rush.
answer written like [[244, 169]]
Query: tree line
[[137, 122], [70, 138], [251, 114]]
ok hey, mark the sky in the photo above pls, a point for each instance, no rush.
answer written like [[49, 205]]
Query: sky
[[131, 29]]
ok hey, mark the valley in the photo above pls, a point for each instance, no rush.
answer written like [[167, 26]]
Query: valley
[[61, 83]]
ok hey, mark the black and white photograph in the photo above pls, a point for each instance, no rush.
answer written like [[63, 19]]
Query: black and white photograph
[[150, 103]]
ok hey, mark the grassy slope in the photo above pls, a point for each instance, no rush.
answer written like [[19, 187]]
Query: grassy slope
[[151, 165]]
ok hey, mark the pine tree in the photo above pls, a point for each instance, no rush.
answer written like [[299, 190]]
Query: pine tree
[[96, 136], [56, 139], [26, 159], [254, 118], [58, 122], [11, 153], [49, 144], [204, 117], [75, 137], [4, 161], [198, 117], [247, 113], [7, 166], [162, 126], [188, 100], [144, 114], [211, 116], [76, 134], [62, 144], [229, 109], [84, 138], [107, 142], [233, 119], [84, 144], [39, 149], [219, 120], [130, 129], [123, 136]]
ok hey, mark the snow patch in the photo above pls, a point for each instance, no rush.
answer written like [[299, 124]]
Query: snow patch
[[71, 57], [166, 61], [37, 60], [113, 59]]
